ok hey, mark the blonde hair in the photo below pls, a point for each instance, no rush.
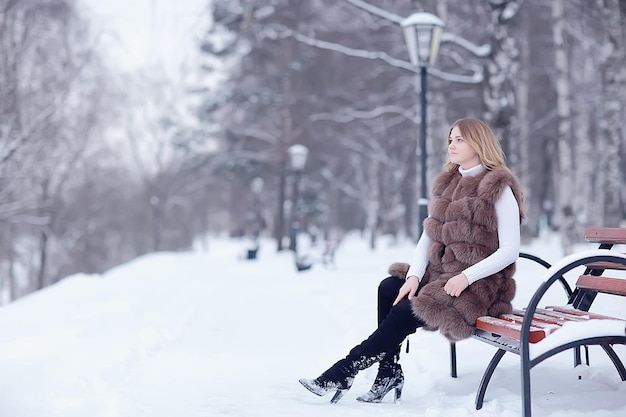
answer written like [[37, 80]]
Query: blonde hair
[[480, 137]]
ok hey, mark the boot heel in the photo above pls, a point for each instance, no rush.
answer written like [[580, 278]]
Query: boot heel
[[398, 393], [389, 378], [338, 396]]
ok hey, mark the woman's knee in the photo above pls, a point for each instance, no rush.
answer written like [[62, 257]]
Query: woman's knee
[[403, 312], [389, 287]]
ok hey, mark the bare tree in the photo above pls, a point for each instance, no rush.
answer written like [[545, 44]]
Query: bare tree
[[567, 214], [612, 129]]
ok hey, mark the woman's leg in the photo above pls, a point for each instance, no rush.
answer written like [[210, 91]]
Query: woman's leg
[[392, 330], [389, 376], [398, 323], [387, 293]]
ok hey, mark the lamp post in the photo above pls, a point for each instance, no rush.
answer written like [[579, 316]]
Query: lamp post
[[256, 185], [422, 32], [297, 160]]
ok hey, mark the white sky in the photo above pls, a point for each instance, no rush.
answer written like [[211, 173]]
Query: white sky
[[147, 32], [205, 334]]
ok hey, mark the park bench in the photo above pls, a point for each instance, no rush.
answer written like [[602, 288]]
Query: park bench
[[521, 331]]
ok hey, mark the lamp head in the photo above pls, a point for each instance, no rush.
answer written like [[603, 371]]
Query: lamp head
[[422, 32], [297, 156]]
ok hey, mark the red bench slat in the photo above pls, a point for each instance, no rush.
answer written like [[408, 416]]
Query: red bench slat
[[614, 235], [557, 315], [606, 265], [586, 314], [545, 321], [616, 286], [550, 326], [508, 328]]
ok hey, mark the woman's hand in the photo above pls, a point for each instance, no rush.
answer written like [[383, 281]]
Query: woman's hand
[[456, 285], [409, 287]]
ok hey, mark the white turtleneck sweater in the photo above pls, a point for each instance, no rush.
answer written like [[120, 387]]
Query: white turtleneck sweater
[[507, 212]]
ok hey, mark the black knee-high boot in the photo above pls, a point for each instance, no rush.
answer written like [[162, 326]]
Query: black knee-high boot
[[339, 377], [396, 326], [390, 376]]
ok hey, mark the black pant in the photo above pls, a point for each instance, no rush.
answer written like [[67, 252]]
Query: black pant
[[395, 323]]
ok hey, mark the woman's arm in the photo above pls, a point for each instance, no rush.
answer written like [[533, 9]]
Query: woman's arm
[[416, 271], [507, 212], [419, 262]]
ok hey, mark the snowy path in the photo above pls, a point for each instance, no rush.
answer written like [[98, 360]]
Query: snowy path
[[205, 334]]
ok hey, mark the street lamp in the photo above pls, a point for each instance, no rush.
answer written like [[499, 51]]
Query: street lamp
[[422, 32], [256, 185], [297, 159]]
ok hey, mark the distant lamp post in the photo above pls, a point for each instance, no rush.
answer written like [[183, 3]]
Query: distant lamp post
[[422, 32], [257, 187], [297, 160]]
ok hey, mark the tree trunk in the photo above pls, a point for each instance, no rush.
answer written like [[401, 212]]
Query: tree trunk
[[530, 227], [611, 128], [566, 213], [43, 252], [501, 75]]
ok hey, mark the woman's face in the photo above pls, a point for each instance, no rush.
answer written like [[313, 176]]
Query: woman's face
[[460, 151]]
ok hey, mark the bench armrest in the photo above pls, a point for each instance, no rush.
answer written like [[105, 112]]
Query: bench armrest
[[545, 264], [552, 275]]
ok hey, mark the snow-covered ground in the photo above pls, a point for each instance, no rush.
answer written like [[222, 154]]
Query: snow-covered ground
[[206, 333]]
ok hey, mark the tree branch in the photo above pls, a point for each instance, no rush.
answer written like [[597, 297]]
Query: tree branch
[[352, 114], [480, 51], [477, 50], [282, 32], [28, 132], [376, 10]]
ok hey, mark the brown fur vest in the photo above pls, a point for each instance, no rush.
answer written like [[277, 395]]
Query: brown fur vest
[[462, 226]]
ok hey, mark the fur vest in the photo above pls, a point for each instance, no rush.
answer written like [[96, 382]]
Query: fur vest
[[463, 229]]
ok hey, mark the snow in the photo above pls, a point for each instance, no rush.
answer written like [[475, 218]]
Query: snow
[[206, 333], [572, 331]]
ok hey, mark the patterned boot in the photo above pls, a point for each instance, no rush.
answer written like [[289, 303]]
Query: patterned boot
[[389, 377], [338, 378]]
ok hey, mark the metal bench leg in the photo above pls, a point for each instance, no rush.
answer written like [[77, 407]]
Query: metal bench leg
[[453, 360], [525, 365], [482, 388], [577, 358], [616, 361]]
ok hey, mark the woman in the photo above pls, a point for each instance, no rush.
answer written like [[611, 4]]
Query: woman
[[462, 267]]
